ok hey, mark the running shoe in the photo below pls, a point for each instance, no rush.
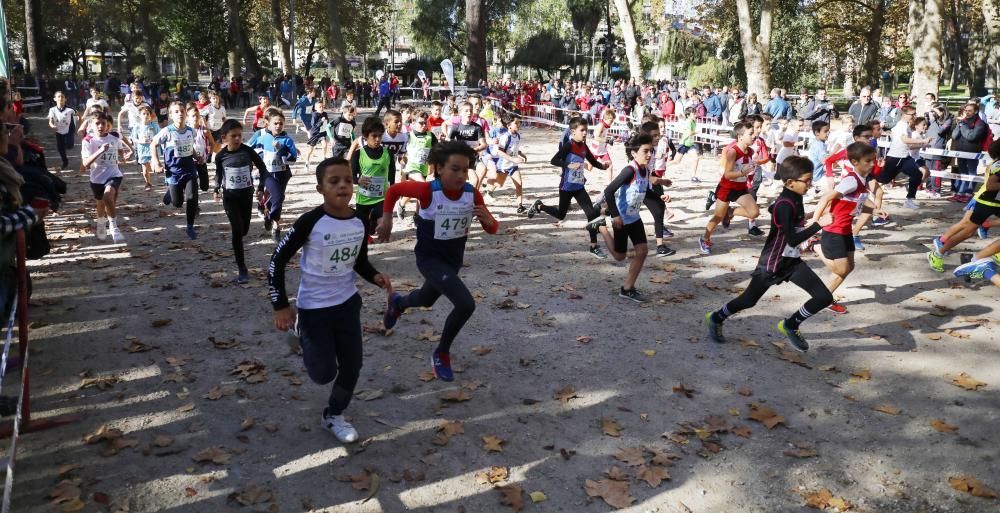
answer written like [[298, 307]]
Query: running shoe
[[598, 252], [441, 365], [400, 211], [488, 198], [704, 247], [938, 245], [595, 225], [276, 234], [632, 294], [728, 219], [755, 231], [976, 269], [837, 308], [858, 245], [667, 233], [794, 336], [339, 426], [714, 329], [166, 197], [881, 221], [910, 204], [116, 235], [935, 261], [243, 277], [996, 258], [102, 229], [710, 200], [983, 232], [695, 179], [521, 209], [536, 207], [392, 311], [190, 232], [664, 251]]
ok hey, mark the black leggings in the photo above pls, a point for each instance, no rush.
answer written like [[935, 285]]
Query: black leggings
[[64, 142], [657, 208], [371, 214], [441, 278], [906, 165], [582, 199], [186, 190], [238, 205], [800, 275], [331, 348]]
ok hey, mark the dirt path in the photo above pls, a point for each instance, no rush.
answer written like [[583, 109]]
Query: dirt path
[[215, 382]]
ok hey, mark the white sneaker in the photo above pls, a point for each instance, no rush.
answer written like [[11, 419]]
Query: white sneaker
[[116, 235], [102, 228], [340, 428], [910, 204]]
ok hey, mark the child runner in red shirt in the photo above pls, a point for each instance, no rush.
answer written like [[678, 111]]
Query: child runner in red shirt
[[737, 164], [447, 206]]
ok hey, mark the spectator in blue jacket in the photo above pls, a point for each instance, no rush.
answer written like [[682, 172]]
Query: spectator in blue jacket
[[713, 107], [778, 107], [384, 96]]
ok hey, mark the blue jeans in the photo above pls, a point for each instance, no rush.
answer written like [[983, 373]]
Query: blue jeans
[[964, 167]]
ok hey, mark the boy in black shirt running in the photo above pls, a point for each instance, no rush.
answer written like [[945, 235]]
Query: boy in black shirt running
[[234, 185], [779, 261]]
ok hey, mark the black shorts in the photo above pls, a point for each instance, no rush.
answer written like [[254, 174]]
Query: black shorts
[[981, 212], [316, 138], [836, 245], [98, 188], [727, 194], [633, 231], [683, 149]]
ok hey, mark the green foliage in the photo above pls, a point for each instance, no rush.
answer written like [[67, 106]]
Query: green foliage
[[794, 51], [712, 71], [545, 50], [585, 15], [184, 28], [438, 26]]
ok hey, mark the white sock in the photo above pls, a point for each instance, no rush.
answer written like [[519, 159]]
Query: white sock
[[751, 223], [112, 222]]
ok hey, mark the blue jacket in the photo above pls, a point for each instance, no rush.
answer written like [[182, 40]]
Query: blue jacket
[[713, 107], [383, 89], [299, 111], [778, 108]]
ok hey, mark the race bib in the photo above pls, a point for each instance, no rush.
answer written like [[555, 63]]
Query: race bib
[[420, 155], [860, 204], [339, 252], [308, 109], [344, 130], [238, 177], [164, 111], [110, 157], [372, 186], [452, 221], [633, 198], [183, 148], [273, 161], [576, 176], [62, 122]]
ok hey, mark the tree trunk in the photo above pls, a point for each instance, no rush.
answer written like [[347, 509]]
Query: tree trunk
[[31, 38], [756, 47], [475, 28], [192, 68], [234, 62], [870, 71], [149, 68], [991, 13], [240, 37], [309, 55], [925, 28], [278, 31], [628, 34], [337, 49]]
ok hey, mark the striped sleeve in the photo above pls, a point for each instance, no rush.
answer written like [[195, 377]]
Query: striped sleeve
[[11, 222]]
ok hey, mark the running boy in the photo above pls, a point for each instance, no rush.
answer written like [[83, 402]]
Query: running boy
[[277, 149], [737, 163], [334, 251], [341, 130], [318, 129], [418, 150], [142, 137], [846, 201], [508, 153], [447, 207], [780, 260], [177, 142], [61, 120], [101, 152], [374, 170], [472, 134], [629, 190], [234, 185]]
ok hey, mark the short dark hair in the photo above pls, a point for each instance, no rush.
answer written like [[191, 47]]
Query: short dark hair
[[739, 128], [754, 118], [819, 125], [648, 127], [443, 151], [229, 125], [326, 164], [638, 140], [372, 125], [857, 150], [860, 129], [577, 122], [994, 149], [795, 166]]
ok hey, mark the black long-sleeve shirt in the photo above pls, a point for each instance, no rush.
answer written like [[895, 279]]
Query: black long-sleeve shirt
[[787, 213], [244, 156]]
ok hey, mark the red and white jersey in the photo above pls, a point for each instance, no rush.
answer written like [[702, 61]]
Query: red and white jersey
[[854, 193], [743, 162]]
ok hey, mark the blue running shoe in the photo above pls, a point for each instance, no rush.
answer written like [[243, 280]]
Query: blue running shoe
[[938, 245], [441, 364], [857, 243], [794, 336], [881, 221], [704, 247], [714, 329], [190, 233], [976, 269], [392, 311], [983, 232]]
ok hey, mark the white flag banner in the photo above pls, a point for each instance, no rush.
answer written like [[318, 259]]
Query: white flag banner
[[449, 73]]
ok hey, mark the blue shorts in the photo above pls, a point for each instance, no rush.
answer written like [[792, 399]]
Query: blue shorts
[[509, 171], [970, 205]]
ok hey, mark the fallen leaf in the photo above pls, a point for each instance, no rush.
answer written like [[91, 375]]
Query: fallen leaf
[[159, 323], [426, 376], [247, 423], [66, 490], [447, 430], [493, 444], [972, 486], [482, 350], [223, 344], [888, 409], [610, 427], [163, 441], [216, 455], [748, 343], [942, 426], [615, 493], [583, 339], [252, 371], [631, 456], [735, 412], [686, 392], [137, 347], [252, 494], [934, 336], [455, 396], [801, 453], [742, 431], [745, 392], [653, 475], [823, 499], [511, 495], [616, 473], [649, 352], [967, 382], [537, 496], [75, 504], [493, 475], [218, 392], [765, 416], [67, 468], [369, 395], [564, 394], [429, 336], [863, 374]]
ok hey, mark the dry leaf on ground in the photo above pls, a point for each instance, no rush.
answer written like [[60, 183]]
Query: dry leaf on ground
[[653, 475], [511, 495], [823, 499], [765, 416], [456, 396], [252, 494], [611, 427], [251, 371], [942, 426], [482, 350], [972, 486], [537, 496], [888, 409], [615, 473], [683, 390], [493, 444], [861, 375], [564, 394], [631, 456], [967, 382], [446, 430], [216, 455], [615, 493], [493, 475]]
